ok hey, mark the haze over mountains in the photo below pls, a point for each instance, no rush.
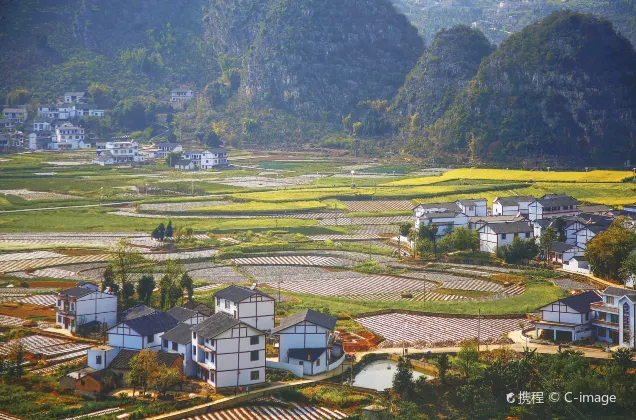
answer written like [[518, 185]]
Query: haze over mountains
[[297, 71]]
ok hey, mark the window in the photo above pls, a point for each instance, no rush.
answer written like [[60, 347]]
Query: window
[[301, 363], [194, 351], [254, 355], [165, 343], [609, 299], [98, 360], [527, 234], [227, 304], [59, 302], [255, 375], [503, 236], [614, 318], [175, 346], [59, 318], [254, 340], [207, 356], [516, 235], [194, 335], [318, 362], [587, 316], [151, 338], [72, 306]]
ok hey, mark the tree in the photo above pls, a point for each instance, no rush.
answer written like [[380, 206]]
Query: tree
[[347, 123], [17, 97], [442, 363], [403, 379], [165, 378], [608, 250], [123, 261], [143, 368], [462, 238], [548, 237], [403, 230], [161, 231], [109, 280], [186, 283], [357, 128], [623, 358], [429, 232], [16, 358], [212, 139], [145, 287], [628, 268], [172, 158], [170, 290], [128, 290], [169, 231], [467, 360], [518, 250]]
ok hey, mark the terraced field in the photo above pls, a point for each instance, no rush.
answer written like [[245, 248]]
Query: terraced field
[[273, 412]]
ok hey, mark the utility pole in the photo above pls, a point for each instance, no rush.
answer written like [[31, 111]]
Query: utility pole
[[478, 327]]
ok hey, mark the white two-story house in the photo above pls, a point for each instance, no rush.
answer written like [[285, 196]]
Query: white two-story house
[[305, 339], [89, 110], [473, 207], [181, 95], [568, 319], [140, 333], [120, 152], [512, 206], [494, 235], [615, 320], [80, 305], [75, 97], [228, 352], [69, 136], [253, 307], [553, 205], [447, 216], [214, 158], [164, 148], [15, 115]]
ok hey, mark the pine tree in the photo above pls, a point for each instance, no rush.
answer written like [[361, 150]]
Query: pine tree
[[161, 231], [169, 229], [403, 379]]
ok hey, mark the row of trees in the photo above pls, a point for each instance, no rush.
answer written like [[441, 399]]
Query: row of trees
[[425, 239], [478, 385], [163, 232], [126, 263]]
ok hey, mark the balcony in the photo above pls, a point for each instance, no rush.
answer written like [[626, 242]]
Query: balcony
[[600, 306], [606, 324]]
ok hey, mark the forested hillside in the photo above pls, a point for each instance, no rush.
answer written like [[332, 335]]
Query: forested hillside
[[500, 18], [564, 86]]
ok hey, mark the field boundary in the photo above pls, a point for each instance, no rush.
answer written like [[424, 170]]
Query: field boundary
[[437, 314]]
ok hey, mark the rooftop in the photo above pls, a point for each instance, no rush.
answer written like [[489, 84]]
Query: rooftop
[[181, 314], [237, 293], [122, 360], [514, 201], [510, 227], [215, 325], [581, 302], [76, 292], [309, 354], [181, 334], [198, 307], [152, 324], [136, 311], [308, 315]]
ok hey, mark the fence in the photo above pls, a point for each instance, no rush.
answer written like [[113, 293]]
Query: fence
[[336, 363]]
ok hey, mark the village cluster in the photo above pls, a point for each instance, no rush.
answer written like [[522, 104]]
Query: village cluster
[[57, 127], [610, 316], [224, 347]]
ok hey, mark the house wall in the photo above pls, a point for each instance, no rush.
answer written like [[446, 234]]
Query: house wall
[[570, 232], [558, 312], [107, 357], [97, 306], [312, 368], [488, 240], [626, 323], [88, 384], [583, 237], [256, 311], [302, 335], [189, 367]]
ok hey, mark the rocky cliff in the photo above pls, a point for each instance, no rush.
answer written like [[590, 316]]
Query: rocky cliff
[[564, 86], [444, 69]]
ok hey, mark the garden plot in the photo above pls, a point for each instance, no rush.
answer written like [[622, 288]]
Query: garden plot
[[344, 237], [293, 260], [51, 273], [379, 205], [9, 266], [97, 239], [10, 321], [219, 274], [261, 181], [49, 370], [22, 291], [179, 207], [273, 412], [356, 221], [288, 273], [424, 329], [356, 286], [33, 343], [36, 195], [449, 281], [18, 256], [99, 413], [568, 284], [184, 255], [41, 300]]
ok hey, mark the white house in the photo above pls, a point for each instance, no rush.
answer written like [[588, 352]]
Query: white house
[[41, 140], [228, 352], [179, 340], [140, 333], [185, 165], [79, 305], [194, 156], [181, 95], [568, 319], [553, 205], [69, 136], [494, 235], [473, 207], [615, 319], [477, 222], [187, 316], [41, 124], [6, 125], [164, 148], [75, 97], [305, 339], [253, 307], [213, 158], [583, 236], [104, 159], [15, 115], [122, 151], [89, 110], [561, 252], [577, 264], [447, 216], [512, 206], [99, 357]]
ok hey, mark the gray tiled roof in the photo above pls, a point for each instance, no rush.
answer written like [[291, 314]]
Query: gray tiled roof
[[152, 324], [237, 293], [181, 314], [515, 200], [581, 302], [122, 360], [510, 227], [215, 325], [550, 200], [199, 307], [76, 292], [136, 311], [447, 206], [181, 334], [309, 315], [620, 292]]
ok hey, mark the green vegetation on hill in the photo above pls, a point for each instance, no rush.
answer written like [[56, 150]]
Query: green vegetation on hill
[[564, 86]]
